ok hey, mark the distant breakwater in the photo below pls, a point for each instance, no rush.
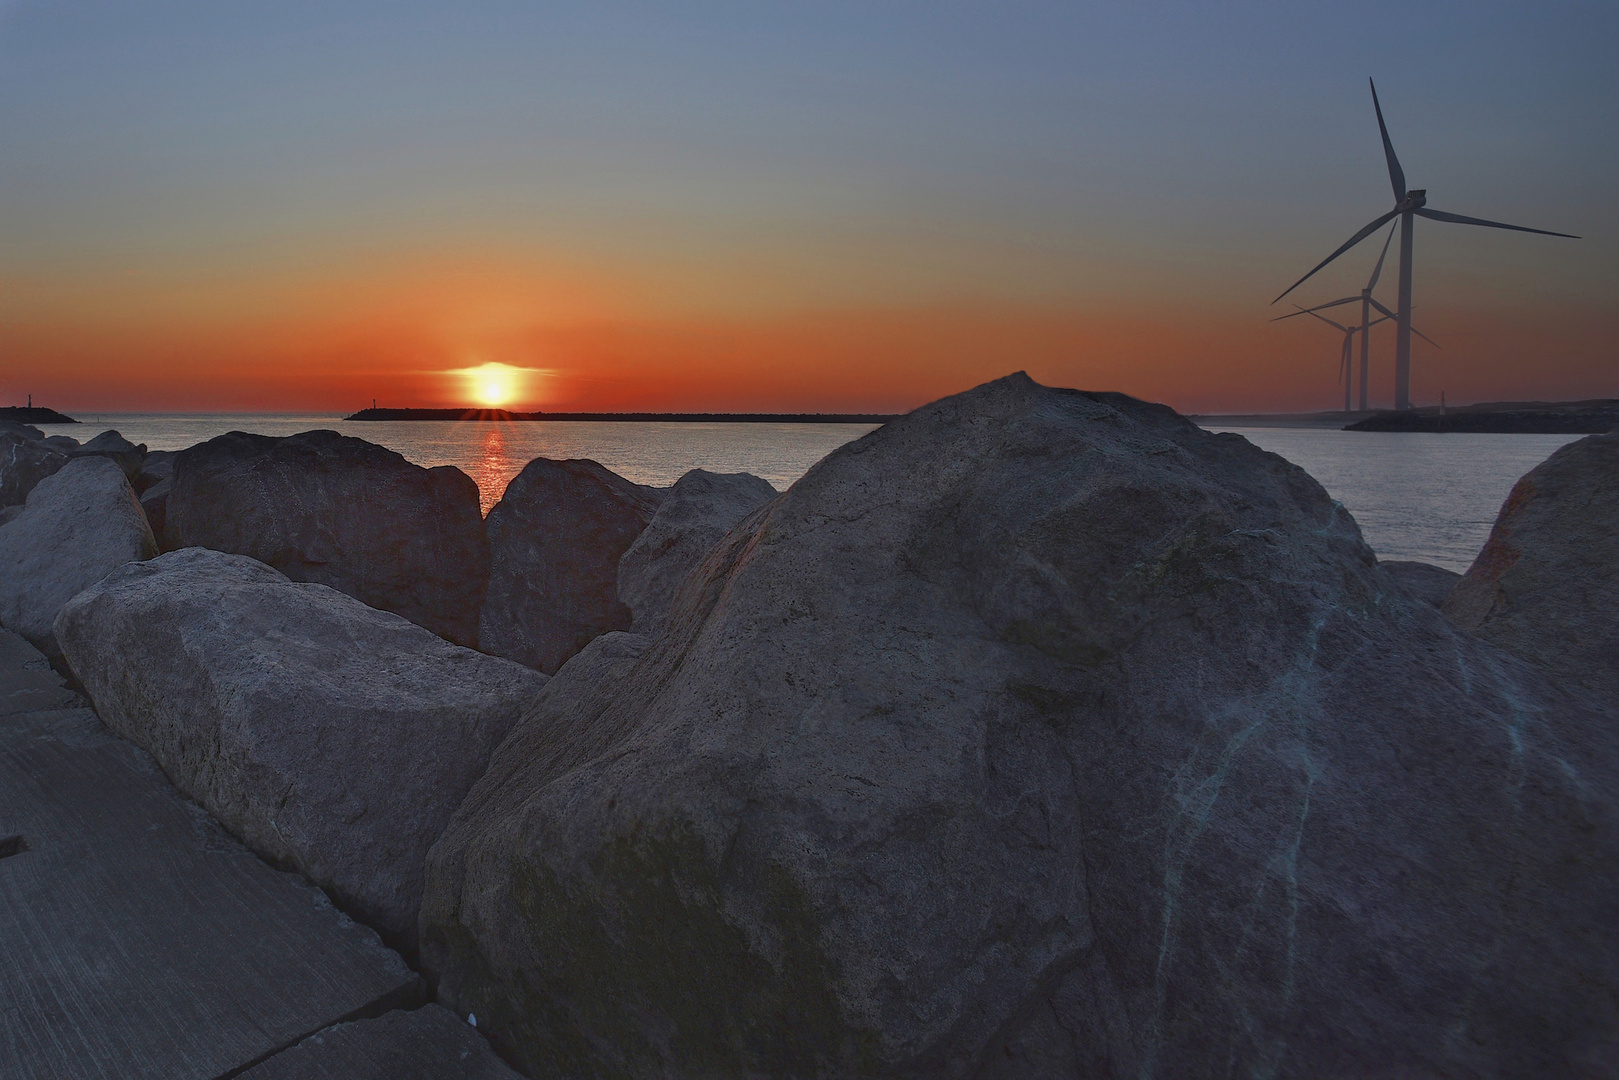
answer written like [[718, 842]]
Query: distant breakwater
[[1517, 417], [629, 417], [19, 414]]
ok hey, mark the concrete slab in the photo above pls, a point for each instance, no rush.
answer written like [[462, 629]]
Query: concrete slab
[[137, 939], [431, 1043]]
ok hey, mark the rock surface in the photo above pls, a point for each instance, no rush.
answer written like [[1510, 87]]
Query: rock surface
[[25, 460], [21, 431], [114, 447], [1544, 585], [78, 525], [343, 512], [156, 467], [155, 505], [139, 941], [1429, 583], [330, 737], [555, 539], [695, 514], [1040, 733], [429, 1043]]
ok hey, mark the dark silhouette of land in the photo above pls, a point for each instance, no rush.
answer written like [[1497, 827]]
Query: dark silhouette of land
[[1592, 417], [634, 417], [20, 415]]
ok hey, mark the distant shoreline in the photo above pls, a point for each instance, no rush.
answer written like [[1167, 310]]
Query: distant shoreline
[[1593, 417], [1590, 417], [627, 417]]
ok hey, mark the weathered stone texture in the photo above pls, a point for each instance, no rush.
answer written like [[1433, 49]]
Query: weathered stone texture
[[555, 540], [330, 737], [343, 512], [1041, 733], [1545, 586], [695, 514], [79, 524]]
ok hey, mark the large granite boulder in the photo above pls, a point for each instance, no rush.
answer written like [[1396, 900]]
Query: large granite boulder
[[555, 539], [330, 737], [79, 524], [695, 514], [114, 447], [1041, 733], [343, 512], [1544, 585], [25, 460]]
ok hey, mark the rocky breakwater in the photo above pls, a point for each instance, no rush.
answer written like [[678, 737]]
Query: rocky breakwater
[[343, 512], [694, 516], [1041, 733], [79, 523], [555, 541], [329, 737]]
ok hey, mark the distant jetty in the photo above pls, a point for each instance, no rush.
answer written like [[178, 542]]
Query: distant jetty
[[631, 417], [17, 414], [1591, 417]]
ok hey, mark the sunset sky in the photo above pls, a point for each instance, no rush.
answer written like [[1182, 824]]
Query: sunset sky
[[817, 206]]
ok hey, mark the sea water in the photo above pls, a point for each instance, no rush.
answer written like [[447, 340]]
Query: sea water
[[1427, 497], [1416, 495]]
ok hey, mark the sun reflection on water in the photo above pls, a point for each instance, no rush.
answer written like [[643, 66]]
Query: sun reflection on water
[[494, 468]]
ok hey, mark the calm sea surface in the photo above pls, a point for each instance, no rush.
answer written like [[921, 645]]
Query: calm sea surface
[[1416, 496]]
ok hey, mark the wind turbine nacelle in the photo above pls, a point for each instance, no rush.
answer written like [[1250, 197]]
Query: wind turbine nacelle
[[1416, 197]]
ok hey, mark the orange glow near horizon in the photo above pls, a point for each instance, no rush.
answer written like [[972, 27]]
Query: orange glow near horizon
[[591, 341]]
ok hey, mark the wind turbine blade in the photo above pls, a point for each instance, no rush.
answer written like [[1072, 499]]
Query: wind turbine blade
[[1347, 244], [1318, 307], [1460, 219], [1377, 271], [1396, 174], [1323, 318], [1387, 315]]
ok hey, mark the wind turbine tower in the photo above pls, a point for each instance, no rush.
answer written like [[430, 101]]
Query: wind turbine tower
[[1367, 303], [1409, 204]]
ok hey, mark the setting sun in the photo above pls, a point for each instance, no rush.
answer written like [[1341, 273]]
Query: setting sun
[[493, 384]]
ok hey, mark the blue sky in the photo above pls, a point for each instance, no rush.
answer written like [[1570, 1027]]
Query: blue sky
[[743, 160]]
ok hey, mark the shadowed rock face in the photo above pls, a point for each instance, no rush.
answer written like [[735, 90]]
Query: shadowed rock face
[[330, 737], [343, 512], [1040, 733], [1422, 581], [1545, 586], [555, 539], [79, 524], [156, 467], [25, 460], [695, 514]]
